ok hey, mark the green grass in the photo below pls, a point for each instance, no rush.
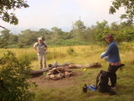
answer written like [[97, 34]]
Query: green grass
[[84, 55]]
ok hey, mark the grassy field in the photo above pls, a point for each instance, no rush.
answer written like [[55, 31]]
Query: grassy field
[[84, 55]]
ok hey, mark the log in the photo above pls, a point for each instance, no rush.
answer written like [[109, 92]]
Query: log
[[78, 66], [36, 73]]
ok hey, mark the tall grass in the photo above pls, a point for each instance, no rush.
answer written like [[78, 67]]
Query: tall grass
[[84, 55]]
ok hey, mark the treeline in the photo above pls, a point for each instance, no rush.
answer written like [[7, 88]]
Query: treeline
[[79, 35]]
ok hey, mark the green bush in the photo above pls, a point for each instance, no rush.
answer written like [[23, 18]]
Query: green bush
[[14, 75], [70, 51], [69, 42], [20, 45]]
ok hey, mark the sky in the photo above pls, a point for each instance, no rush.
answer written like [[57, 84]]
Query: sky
[[62, 14]]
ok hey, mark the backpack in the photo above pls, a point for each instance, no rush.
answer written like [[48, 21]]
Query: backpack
[[102, 81], [43, 44]]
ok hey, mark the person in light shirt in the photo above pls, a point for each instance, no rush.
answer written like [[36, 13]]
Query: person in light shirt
[[41, 48]]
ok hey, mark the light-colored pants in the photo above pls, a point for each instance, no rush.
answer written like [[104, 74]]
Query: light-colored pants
[[42, 61]]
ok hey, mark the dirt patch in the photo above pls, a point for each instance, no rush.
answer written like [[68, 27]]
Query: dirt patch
[[61, 83]]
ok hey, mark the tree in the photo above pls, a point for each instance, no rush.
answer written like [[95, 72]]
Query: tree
[[79, 30], [56, 33], [129, 9], [79, 25], [89, 34], [7, 7], [13, 39], [101, 30], [45, 33], [114, 26], [27, 37], [4, 38]]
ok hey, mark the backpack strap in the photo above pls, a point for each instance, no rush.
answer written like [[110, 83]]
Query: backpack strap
[[42, 43], [45, 44]]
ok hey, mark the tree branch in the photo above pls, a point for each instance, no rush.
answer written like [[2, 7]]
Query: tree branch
[[2, 27]]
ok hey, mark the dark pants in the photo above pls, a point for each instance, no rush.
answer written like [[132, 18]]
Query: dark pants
[[112, 74]]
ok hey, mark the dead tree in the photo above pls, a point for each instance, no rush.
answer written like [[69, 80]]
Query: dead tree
[[36, 73]]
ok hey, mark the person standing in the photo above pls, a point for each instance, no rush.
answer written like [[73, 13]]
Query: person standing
[[41, 47], [113, 58]]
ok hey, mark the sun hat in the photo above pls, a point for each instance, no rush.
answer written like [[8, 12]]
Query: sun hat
[[39, 38]]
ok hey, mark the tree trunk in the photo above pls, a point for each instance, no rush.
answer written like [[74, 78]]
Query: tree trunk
[[36, 73]]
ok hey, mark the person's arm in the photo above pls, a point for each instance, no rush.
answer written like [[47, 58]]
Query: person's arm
[[35, 48], [108, 51]]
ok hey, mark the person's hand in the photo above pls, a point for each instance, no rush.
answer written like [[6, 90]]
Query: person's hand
[[37, 51], [46, 51]]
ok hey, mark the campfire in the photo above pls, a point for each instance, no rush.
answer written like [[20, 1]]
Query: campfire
[[58, 73]]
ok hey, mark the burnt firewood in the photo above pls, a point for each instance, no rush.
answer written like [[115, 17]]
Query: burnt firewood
[[36, 73]]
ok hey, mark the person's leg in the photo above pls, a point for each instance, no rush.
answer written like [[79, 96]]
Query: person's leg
[[44, 61], [113, 78], [112, 74], [40, 61]]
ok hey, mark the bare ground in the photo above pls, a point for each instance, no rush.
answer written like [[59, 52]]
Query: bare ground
[[61, 83]]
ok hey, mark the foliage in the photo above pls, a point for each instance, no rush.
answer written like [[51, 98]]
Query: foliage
[[78, 30], [77, 36], [114, 26], [7, 7], [27, 37], [14, 74], [4, 38], [128, 6], [79, 25], [127, 34], [101, 30], [21, 45], [13, 39], [56, 33], [69, 42], [70, 51]]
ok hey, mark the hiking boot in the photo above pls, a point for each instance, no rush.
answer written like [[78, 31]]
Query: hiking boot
[[113, 89]]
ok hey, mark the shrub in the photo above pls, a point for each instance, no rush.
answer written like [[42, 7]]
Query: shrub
[[70, 51], [13, 77], [20, 45]]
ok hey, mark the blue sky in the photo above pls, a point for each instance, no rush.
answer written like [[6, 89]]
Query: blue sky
[[61, 14]]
